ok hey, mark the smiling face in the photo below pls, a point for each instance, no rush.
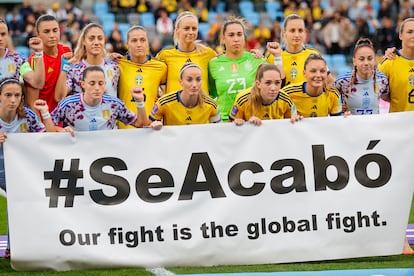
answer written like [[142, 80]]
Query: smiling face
[[11, 96], [269, 86], [316, 74], [93, 86]]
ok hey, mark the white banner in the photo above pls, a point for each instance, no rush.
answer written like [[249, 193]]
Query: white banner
[[320, 189]]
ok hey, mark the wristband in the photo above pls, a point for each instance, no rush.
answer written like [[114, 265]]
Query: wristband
[[65, 65], [45, 115], [277, 60], [38, 54], [140, 104]]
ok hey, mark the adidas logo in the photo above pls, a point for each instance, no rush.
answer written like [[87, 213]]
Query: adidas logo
[[314, 107], [411, 70], [139, 70], [188, 60], [188, 118], [294, 64], [266, 116]]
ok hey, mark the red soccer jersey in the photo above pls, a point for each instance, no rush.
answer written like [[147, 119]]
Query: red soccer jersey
[[52, 71]]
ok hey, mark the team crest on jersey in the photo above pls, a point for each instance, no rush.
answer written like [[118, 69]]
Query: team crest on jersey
[[23, 127], [234, 67], [11, 68], [50, 70], [106, 114], [139, 79], [234, 110], [293, 73], [109, 74], [411, 80]]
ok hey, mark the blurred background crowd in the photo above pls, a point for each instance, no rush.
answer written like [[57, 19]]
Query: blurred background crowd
[[333, 26]]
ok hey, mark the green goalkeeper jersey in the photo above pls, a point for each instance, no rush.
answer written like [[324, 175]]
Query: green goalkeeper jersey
[[228, 77]]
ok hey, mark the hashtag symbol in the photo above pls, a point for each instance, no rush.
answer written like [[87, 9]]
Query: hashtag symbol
[[57, 175]]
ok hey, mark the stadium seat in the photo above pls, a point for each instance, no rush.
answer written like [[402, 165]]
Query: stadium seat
[[203, 28], [107, 18], [172, 16], [339, 60], [100, 8], [211, 16], [23, 50], [221, 7], [123, 28], [272, 6], [252, 17], [133, 19], [246, 7], [147, 19]]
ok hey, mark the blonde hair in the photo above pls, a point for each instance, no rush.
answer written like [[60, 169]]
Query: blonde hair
[[199, 47], [140, 28], [80, 51]]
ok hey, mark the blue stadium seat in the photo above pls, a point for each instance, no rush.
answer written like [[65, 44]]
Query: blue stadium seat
[[211, 16], [123, 28], [246, 7], [147, 19], [173, 16], [272, 6], [339, 60], [107, 18], [100, 7], [203, 28], [23, 50], [252, 17], [221, 7]]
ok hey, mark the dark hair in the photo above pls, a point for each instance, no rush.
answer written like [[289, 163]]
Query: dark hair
[[313, 57], [44, 18], [8, 80], [11, 80], [362, 42], [92, 68]]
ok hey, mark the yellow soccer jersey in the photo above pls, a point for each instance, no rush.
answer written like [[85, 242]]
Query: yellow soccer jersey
[[294, 64], [175, 59], [280, 108], [400, 73], [171, 110], [149, 75], [327, 103]]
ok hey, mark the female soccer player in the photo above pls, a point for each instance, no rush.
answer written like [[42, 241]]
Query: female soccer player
[[94, 109], [90, 50], [15, 118], [295, 52], [15, 65], [313, 98], [187, 106], [235, 70], [399, 73], [186, 49], [140, 70], [362, 88], [263, 101]]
